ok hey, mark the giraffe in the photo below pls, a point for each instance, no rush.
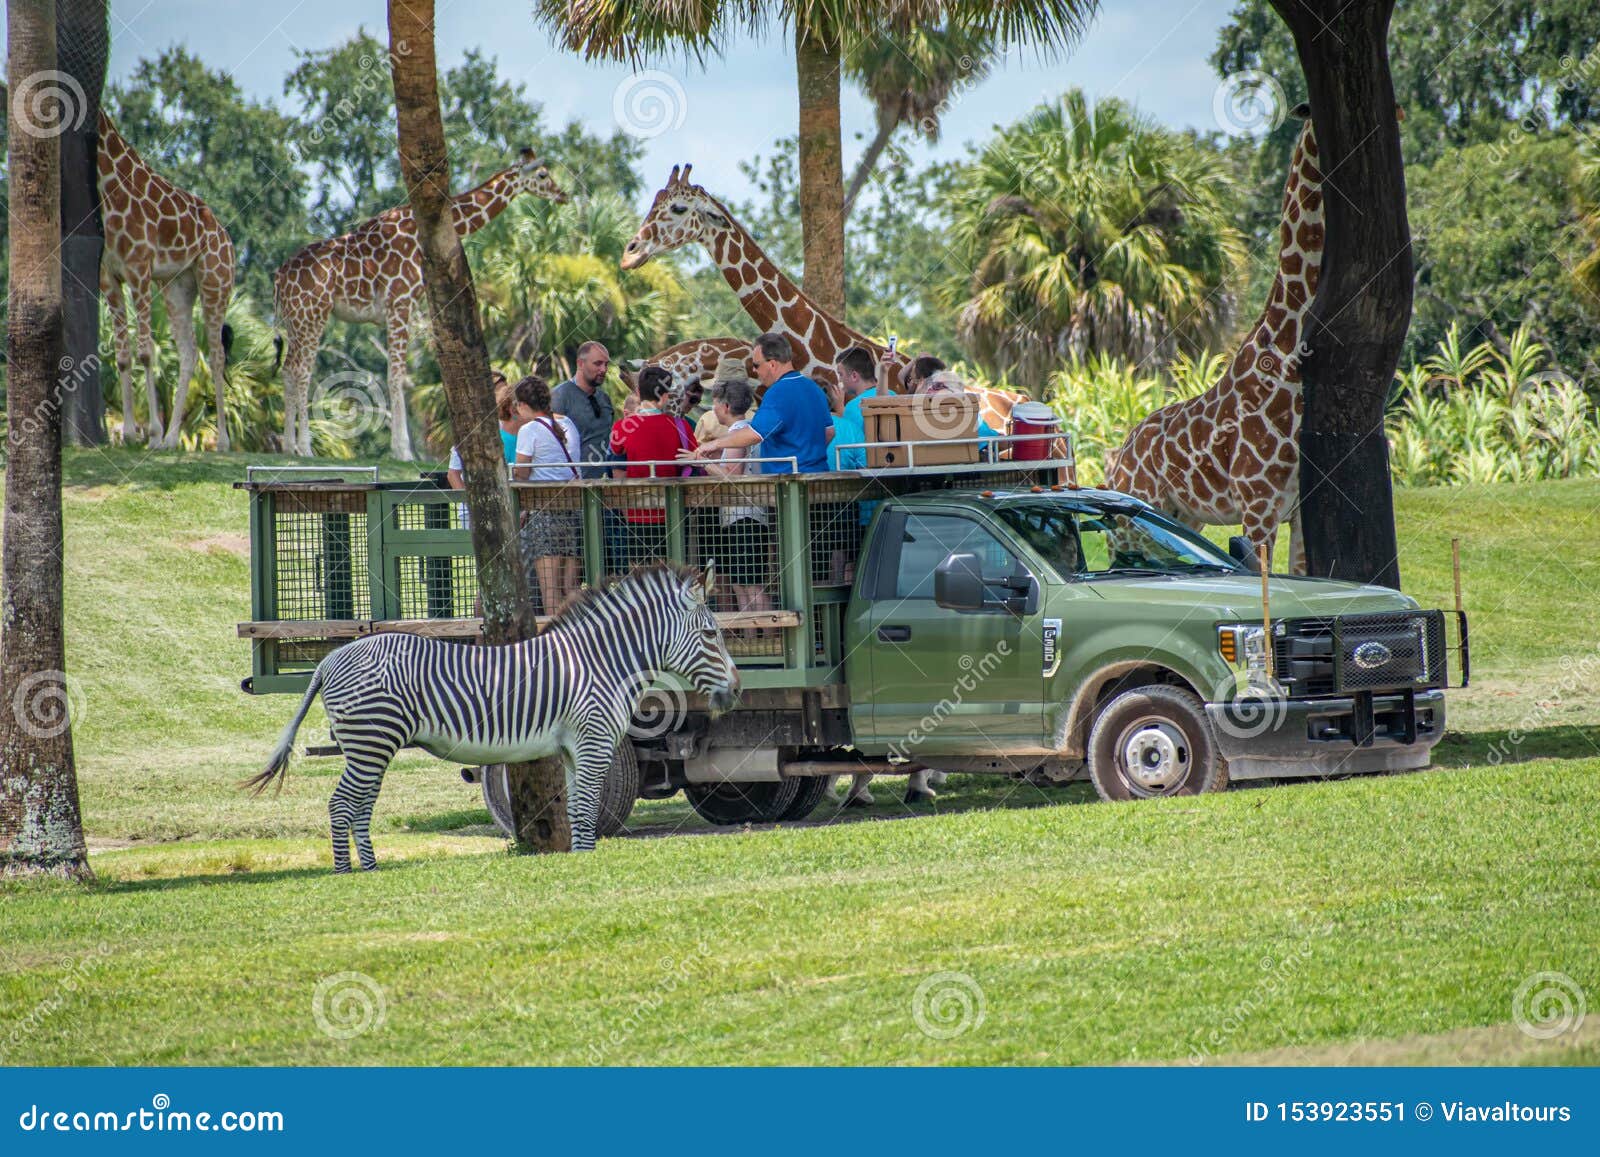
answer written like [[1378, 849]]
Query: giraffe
[[683, 212], [158, 235], [1232, 455], [691, 361], [373, 274]]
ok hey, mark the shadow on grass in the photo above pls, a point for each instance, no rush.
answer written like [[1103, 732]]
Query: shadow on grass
[[1516, 745], [139, 468], [268, 876]]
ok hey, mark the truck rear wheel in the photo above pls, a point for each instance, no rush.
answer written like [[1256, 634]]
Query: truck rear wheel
[[1154, 741], [730, 804], [617, 796], [812, 789]]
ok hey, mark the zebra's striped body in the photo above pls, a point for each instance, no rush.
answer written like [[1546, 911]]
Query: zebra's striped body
[[572, 692]]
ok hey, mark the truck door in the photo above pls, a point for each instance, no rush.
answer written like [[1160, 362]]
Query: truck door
[[943, 680]]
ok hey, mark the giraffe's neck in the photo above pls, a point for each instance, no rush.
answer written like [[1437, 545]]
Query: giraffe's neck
[[772, 300], [1281, 327], [472, 210], [117, 158]]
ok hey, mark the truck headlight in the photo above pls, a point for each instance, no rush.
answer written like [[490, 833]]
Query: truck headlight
[[1244, 646]]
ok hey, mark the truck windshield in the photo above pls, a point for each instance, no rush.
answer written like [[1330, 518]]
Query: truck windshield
[[1084, 542]]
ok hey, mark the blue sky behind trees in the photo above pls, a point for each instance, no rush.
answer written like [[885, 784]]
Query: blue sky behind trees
[[1152, 52]]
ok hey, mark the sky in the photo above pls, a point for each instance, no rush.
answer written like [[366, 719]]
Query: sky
[[1150, 52]]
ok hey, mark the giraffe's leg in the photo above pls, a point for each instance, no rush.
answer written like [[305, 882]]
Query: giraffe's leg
[[299, 361], [858, 794], [180, 297], [1297, 543], [399, 322], [1260, 524], [215, 291], [918, 789], [117, 303], [140, 289]]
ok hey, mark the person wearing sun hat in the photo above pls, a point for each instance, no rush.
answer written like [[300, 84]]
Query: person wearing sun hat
[[729, 369]]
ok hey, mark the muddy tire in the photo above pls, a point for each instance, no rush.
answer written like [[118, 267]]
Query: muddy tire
[[730, 804], [1154, 741]]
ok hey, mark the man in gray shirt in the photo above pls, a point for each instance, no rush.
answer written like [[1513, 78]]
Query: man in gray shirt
[[582, 398]]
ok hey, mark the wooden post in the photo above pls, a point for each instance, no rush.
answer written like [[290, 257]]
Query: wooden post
[[1455, 568], [1266, 607]]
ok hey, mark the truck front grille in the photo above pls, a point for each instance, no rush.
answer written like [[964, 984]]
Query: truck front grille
[[1387, 652]]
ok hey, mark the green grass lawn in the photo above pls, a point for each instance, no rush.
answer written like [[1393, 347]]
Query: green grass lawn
[[1302, 917]]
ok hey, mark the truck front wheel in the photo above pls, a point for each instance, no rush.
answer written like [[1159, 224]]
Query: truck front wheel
[[1154, 741]]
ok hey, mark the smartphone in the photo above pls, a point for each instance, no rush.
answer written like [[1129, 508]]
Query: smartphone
[[894, 340]]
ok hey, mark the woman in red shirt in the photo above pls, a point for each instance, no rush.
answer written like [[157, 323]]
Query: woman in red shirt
[[650, 434]]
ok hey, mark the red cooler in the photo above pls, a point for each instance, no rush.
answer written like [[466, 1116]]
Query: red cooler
[[1027, 420]]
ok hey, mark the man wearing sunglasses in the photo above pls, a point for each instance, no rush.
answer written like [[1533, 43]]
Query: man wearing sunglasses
[[583, 399]]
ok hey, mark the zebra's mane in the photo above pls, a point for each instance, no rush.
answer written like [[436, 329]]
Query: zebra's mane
[[584, 601]]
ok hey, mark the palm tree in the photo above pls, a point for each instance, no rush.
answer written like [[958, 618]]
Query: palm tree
[[1087, 229], [633, 30], [41, 828], [538, 790], [908, 79]]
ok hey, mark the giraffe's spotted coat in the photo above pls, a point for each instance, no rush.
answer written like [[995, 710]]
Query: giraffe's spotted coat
[[373, 275], [1232, 454], [160, 236]]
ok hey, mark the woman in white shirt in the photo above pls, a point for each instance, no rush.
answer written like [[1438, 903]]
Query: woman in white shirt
[[745, 546], [549, 449]]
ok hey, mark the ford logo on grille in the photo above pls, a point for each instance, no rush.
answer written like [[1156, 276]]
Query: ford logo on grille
[[1370, 656]]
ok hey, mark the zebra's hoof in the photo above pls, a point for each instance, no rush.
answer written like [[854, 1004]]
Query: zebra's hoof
[[920, 797], [859, 801]]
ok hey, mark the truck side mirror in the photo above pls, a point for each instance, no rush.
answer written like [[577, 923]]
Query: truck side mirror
[[958, 583], [1242, 552]]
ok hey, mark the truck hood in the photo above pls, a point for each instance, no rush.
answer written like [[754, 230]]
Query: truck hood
[[1239, 596]]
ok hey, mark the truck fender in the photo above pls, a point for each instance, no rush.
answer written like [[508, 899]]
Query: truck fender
[[1072, 728]]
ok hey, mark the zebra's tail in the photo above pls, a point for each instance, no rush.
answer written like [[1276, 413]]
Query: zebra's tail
[[278, 762]]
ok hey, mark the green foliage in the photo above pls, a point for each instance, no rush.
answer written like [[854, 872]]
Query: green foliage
[[1487, 415], [346, 132], [1088, 229], [1495, 236], [1463, 69]]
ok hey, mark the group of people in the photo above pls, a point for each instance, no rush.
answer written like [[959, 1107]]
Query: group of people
[[574, 432]]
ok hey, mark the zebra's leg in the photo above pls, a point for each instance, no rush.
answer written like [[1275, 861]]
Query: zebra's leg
[[858, 795], [367, 757], [589, 760]]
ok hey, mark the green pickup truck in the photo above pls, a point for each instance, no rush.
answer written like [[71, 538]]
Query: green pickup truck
[[967, 619]]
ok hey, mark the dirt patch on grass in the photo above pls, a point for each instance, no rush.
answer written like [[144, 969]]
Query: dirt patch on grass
[[1495, 1044], [237, 545]]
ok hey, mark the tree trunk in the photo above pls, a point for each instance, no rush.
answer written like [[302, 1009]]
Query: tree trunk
[[868, 161], [81, 45], [821, 162], [41, 829], [537, 790], [1357, 324]]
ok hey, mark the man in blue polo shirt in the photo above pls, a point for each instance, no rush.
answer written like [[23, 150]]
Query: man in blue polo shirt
[[793, 421]]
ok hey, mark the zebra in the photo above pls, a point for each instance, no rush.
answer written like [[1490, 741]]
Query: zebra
[[572, 690]]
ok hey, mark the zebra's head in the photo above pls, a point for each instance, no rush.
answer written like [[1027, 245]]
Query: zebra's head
[[695, 649]]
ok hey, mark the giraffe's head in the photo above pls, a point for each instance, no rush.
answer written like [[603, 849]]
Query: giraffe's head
[[533, 176], [681, 213]]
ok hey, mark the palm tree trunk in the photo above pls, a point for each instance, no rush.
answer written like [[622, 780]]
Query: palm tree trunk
[[1357, 324], [537, 790], [868, 162], [821, 162], [41, 828]]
